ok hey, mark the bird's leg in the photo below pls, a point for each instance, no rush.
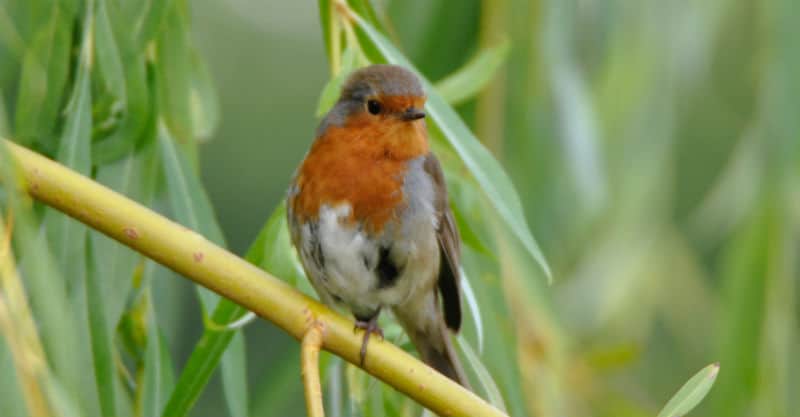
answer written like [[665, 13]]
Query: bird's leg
[[369, 326]]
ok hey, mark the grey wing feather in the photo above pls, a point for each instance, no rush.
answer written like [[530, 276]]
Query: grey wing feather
[[449, 246]]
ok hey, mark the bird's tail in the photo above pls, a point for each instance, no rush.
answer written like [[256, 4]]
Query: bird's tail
[[426, 328], [445, 360]]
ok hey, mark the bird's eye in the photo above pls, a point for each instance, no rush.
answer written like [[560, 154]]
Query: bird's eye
[[373, 106]]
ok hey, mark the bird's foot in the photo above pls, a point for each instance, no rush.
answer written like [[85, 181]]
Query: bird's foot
[[369, 326]]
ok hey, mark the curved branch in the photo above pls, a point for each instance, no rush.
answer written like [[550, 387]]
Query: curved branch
[[309, 365], [191, 255]]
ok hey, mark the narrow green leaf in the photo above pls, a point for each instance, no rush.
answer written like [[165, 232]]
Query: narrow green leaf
[[484, 377], [43, 78], [234, 367], [325, 16], [151, 17], [151, 385], [470, 79], [59, 396], [333, 385], [157, 377], [10, 394], [499, 353], [364, 8], [74, 149], [691, 393], [10, 39], [273, 250], [275, 390], [189, 109], [481, 164], [748, 260], [466, 204], [203, 100], [107, 52], [203, 361], [102, 350], [189, 201], [467, 232], [474, 307], [136, 114], [173, 65], [50, 304], [5, 128], [330, 93], [192, 208], [65, 234], [167, 370]]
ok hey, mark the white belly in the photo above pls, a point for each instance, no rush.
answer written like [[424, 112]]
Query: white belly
[[347, 272]]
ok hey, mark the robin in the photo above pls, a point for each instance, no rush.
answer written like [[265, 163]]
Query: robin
[[369, 216]]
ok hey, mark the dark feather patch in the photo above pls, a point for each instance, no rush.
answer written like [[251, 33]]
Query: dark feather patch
[[316, 246], [386, 269], [451, 297], [449, 246]]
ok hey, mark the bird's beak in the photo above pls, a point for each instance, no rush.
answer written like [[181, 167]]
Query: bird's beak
[[412, 113]]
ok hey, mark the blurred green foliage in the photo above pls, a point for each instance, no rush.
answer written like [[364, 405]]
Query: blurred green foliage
[[655, 148]]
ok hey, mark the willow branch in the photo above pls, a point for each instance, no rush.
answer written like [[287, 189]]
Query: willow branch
[[191, 255], [309, 365]]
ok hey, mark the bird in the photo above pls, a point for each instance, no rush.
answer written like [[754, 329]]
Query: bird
[[368, 214]]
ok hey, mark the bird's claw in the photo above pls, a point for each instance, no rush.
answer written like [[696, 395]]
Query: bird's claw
[[370, 327]]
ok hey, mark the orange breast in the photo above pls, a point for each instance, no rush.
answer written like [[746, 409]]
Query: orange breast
[[362, 164]]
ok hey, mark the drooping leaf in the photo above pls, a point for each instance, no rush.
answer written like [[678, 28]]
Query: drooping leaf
[[10, 38], [330, 93], [473, 308], [465, 203], [65, 234], [10, 394], [133, 102], [188, 199], [44, 75], [203, 360], [107, 53], [325, 17], [150, 19], [203, 100], [484, 377], [275, 391], [365, 9], [5, 128], [173, 71], [192, 207], [167, 370], [273, 251], [102, 347], [470, 79], [234, 366], [691, 393], [748, 259], [156, 381], [59, 396]]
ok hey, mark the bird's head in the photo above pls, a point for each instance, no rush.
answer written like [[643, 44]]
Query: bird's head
[[382, 96]]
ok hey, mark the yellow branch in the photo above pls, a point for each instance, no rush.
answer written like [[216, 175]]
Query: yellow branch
[[194, 257], [309, 365]]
